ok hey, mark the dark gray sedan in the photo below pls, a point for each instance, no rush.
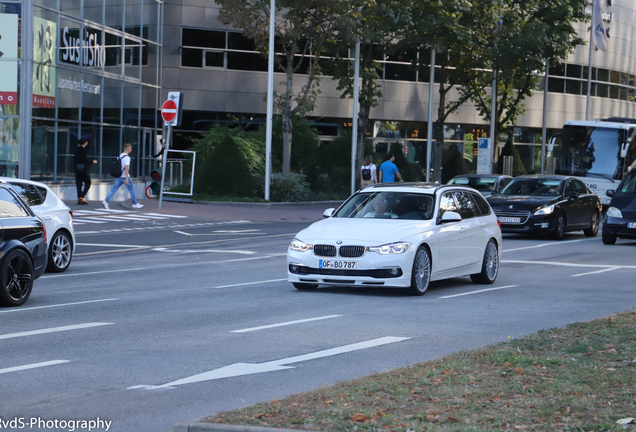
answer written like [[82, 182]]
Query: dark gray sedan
[[486, 184]]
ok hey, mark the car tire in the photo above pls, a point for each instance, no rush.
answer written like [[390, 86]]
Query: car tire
[[592, 231], [60, 252], [305, 286], [421, 272], [489, 266], [608, 238], [559, 228], [16, 272]]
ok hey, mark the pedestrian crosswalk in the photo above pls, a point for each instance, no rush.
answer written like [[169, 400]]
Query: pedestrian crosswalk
[[102, 216]]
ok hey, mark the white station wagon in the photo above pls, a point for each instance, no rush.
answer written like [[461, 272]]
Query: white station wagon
[[399, 235]]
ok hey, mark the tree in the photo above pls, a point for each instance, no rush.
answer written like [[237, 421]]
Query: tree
[[302, 29], [528, 34], [377, 25], [454, 29]]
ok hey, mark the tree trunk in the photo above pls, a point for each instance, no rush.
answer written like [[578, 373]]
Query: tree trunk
[[288, 127], [438, 132], [363, 121]]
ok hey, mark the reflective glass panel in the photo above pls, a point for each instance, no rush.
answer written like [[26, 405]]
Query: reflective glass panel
[[94, 10], [114, 60], [110, 148], [42, 150], [115, 15], [150, 59], [91, 98], [69, 87], [151, 20], [148, 106], [112, 101], [45, 41], [132, 59], [71, 7], [67, 137], [9, 144], [132, 136], [131, 104], [70, 43], [132, 17]]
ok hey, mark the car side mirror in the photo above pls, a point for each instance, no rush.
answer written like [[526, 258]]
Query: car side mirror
[[573, 195], [328, 213], [451, 216], [609, 192]]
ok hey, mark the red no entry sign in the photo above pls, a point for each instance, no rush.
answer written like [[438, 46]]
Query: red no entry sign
[[169, 110]]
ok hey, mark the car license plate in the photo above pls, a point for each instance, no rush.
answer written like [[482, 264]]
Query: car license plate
[[631, 224], [328, 264], [510, 219]]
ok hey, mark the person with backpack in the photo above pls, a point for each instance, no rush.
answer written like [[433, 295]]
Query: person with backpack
[[368, 172], [120, 170], [82, 170]]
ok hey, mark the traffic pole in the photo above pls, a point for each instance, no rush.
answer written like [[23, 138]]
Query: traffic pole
[[165, 160]]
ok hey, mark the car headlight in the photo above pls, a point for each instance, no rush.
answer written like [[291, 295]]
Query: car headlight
[[299, 246], [544, 211], [614, 212], [393, 248]]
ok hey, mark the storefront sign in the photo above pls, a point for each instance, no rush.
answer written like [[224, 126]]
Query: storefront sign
[[9, 51], [75, 85], [86, 50], [44, 45]]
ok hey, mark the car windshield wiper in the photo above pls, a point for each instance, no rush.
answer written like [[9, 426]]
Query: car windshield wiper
[[605, 176]]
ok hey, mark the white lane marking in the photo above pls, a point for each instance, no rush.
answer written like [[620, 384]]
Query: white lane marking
[[54, 306], [222, 232], [87, 220], [110, 245], [166, 215], [108, 218], [248, 283], [140, 216], [96, 272], [100, 211], [32, 366], [52, 330], [284, 324], [239, 369], [545, 244], [564, 264], [597, 271], [154, 228], [478, 291], [242, 252]]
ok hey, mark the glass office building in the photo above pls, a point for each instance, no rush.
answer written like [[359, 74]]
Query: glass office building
[[93, 72]]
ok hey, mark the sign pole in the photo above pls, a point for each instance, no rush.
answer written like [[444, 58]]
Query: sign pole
[[167, 141]]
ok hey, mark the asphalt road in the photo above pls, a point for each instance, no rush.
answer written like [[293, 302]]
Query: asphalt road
[[200, 318]]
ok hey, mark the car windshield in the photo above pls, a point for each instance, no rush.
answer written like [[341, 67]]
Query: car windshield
[[388, 205], [483, 184], [533, 187], [629, 183]]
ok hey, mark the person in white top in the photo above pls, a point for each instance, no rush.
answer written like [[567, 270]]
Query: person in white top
[[368, 172], [124, 179]]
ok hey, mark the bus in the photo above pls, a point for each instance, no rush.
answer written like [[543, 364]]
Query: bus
[[598, 152]]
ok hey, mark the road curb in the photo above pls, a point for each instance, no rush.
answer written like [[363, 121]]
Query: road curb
[[200, 425], [273, 205]]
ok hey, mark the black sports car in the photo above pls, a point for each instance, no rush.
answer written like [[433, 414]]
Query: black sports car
[[547, 204], [620, 220], [486, 184], [22, 248]]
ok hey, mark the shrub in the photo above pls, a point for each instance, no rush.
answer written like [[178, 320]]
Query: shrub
[[225, 172]]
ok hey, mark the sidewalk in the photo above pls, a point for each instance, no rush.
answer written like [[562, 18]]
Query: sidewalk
[[256, 212]]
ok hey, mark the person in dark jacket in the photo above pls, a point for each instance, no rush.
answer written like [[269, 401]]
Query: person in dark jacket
[[82, 172]]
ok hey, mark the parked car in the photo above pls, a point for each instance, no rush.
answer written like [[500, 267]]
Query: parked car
[[486, 184], [547, 204], [22, 248], [620, 219], [399, 235], [57, 217]]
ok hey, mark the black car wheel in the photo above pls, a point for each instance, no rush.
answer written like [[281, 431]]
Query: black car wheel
[[305, 286], [559, 228], [17, 278], [593, 229], [608, 239], [421, 273], [489, 267], [60, 252]]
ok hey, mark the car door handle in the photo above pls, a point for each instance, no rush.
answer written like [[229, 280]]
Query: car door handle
[[47, 217], [483, 224], [462, 230]]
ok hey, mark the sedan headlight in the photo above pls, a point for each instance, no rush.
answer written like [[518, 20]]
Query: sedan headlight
[[388, 249], [544, 211], [299, 246], [614, 212]]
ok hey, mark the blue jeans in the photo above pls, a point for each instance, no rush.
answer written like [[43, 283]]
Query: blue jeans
[[118, 182]]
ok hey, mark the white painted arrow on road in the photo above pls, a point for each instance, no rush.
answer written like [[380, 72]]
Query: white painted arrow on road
[[239, 369]]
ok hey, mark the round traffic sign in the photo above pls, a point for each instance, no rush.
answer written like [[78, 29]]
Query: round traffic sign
[[169, 110]]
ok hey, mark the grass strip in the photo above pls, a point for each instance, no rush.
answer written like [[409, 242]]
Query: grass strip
[[578, 378]]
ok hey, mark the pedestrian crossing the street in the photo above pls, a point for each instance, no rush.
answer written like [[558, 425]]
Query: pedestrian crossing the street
[[102, 216]]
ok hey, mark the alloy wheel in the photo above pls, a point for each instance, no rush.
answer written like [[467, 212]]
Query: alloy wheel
[[18, 278], [61, 251], [492, 261], [422, 270]]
